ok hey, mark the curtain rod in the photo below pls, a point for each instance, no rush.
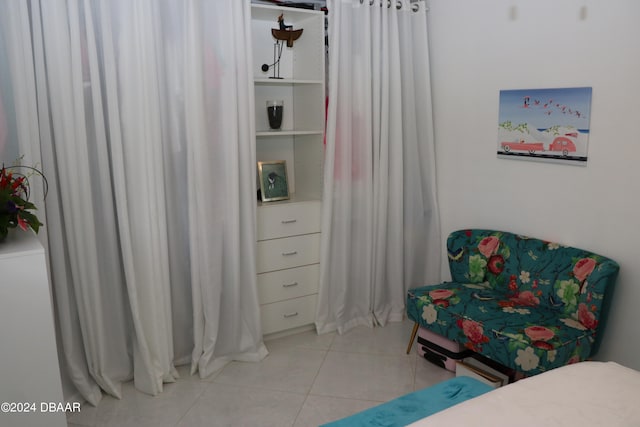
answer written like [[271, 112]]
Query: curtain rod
[[415, 6]]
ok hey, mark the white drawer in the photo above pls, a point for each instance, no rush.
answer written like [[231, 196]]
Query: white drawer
[[288, 314], [288, 219], [278, 254], [287, 284]]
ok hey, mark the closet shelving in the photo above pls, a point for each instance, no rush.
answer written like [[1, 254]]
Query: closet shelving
[[289, 231]]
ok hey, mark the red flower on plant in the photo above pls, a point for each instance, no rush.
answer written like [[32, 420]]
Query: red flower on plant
[[17, 183], [23, 224], [5, 178], [15, 207], [496, 264]]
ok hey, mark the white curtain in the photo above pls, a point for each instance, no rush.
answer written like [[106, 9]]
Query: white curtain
[[381, 232], [140, 113]]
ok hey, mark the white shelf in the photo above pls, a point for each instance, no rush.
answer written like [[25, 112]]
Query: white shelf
[[270, 13], [275, 133], [267, 81], [294, 198]]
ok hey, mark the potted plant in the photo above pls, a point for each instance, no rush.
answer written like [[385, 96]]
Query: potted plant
[[15, 207]]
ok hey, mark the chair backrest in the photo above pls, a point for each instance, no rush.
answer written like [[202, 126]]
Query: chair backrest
[[527, 271]]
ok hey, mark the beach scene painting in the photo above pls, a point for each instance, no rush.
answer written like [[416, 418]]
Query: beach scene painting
[[549, 125]]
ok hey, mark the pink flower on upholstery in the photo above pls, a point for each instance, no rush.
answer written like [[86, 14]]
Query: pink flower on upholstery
[[473, 330], [496, 264], [440, 294], [574, 359], [586, 317], [441, 302], [488, 246], [583, 268], [539, 333], [526, 298], [543, 345]]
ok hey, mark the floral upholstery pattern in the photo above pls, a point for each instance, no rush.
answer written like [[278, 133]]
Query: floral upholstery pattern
[[528, 304]]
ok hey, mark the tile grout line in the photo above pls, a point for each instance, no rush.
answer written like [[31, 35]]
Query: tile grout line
[[196, 400], [326, 353], [207, 384]]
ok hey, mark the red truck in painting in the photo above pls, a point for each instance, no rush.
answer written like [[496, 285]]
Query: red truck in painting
[[531, 147], [563, 144]]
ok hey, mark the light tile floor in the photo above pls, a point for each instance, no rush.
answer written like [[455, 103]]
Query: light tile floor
[[306, 380]]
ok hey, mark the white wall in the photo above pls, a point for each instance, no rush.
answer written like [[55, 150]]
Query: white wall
[[481, 47]]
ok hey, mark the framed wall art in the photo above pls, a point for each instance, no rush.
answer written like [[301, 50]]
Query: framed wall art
[[549, 125]]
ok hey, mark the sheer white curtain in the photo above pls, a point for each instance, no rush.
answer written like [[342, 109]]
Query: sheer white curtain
[[140, 112], [380, 224]]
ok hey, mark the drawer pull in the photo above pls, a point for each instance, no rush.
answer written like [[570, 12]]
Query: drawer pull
[[290, 285], [289, 253], [288, 221], [294, 314]]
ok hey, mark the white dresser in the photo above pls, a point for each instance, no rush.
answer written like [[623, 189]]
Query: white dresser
[[288, 264], [29, 369]]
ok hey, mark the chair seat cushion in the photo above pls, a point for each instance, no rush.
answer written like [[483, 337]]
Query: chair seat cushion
[[512, 329]]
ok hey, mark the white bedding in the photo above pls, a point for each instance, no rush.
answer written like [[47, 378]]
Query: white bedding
[[583, 394]]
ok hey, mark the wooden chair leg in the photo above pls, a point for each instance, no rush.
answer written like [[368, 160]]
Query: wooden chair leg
[[413, 337]]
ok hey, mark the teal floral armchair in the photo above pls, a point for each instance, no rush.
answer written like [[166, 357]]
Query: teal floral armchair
[[528, 304]]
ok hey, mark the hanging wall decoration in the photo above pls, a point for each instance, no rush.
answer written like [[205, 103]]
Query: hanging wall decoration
[[549, 125]]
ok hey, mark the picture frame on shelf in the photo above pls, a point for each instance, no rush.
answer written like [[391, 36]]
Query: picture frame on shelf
[[274, 182]]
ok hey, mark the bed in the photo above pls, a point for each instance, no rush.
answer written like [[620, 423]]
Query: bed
[[582, 394]]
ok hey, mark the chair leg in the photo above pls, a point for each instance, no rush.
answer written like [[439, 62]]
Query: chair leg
[[413, 337]]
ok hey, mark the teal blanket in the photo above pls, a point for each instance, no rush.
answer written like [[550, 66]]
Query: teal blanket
[[414, 406]]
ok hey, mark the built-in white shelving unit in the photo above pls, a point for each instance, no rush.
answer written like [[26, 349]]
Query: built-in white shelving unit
[[289, 231]]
